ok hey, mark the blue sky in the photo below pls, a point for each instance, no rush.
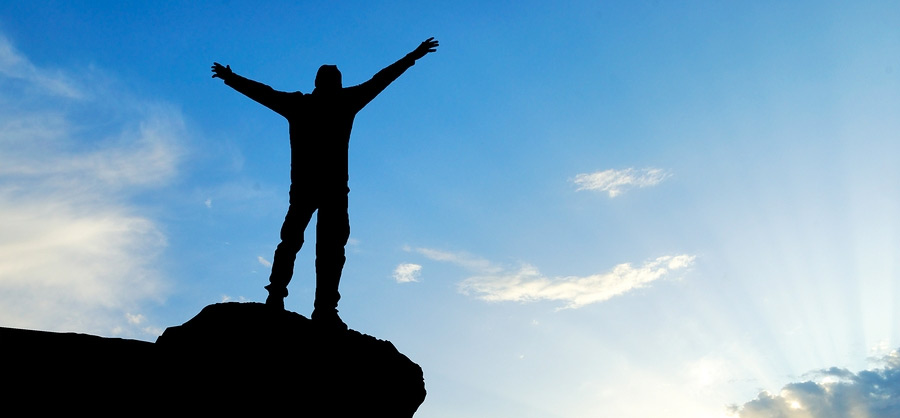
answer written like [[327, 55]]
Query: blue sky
[[630, 209]]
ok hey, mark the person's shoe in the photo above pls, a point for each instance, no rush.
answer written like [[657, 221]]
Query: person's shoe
[[275, 300], [328, 318]]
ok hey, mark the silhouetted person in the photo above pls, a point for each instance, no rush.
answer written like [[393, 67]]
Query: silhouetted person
[[320, 124]]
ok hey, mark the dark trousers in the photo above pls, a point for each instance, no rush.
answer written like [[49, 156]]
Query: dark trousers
[[332, 233]]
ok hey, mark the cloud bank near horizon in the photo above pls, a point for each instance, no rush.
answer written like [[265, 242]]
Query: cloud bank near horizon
[[75, 255], [833, 393]]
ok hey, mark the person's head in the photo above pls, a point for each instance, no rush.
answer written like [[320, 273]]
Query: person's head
[[328, 78]]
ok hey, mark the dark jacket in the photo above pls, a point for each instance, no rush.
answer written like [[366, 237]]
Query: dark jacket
[[320, 122]]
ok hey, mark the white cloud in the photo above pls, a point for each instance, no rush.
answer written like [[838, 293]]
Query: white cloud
[[144, 155], [465, 260], [836, 393], [407, 272], [14, 65], [72, 263], [74, 254], [526, 284], [615, 182], [135, 319], [264, 262]]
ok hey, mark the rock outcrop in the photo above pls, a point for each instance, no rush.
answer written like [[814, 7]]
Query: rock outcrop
[[231, 357]]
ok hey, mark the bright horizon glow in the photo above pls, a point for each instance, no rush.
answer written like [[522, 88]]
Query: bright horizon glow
[[585, 209]]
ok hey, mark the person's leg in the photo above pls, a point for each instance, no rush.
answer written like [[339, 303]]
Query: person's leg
[[332, 233], [298, 216]]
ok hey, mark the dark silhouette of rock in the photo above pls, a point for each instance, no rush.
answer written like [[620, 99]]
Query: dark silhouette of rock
[[45, 373], [283, 356], [230, 358]]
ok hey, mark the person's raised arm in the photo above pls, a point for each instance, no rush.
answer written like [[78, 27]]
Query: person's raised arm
[[222, 72], [427, 46], [383, 78], [261, 93]]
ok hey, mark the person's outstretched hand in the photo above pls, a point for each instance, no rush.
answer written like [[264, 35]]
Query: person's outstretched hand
[[429, 45], [220, 71]]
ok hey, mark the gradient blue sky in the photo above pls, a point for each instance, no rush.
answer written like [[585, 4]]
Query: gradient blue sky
[[582, 209]]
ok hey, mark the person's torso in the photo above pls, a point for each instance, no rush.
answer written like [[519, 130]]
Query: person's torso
[[320, 127]]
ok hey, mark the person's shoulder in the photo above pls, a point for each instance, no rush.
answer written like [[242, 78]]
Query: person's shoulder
[[353, 91], [296, 95]]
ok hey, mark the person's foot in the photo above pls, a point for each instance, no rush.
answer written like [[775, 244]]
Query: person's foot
[[275, 300], [328, 318]]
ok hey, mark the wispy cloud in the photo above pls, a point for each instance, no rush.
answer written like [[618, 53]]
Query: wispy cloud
[[407, 273], [833, 393], [14, 65], [616, 182], [74, 254], [141, 155], [462, 259], [526, 284]]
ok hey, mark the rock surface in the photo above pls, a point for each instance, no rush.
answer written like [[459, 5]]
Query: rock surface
[[231, 357]]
